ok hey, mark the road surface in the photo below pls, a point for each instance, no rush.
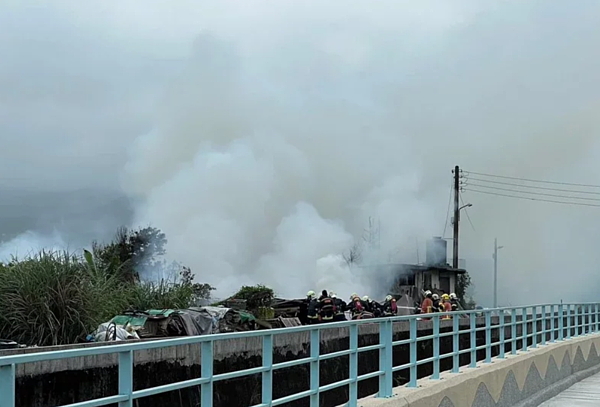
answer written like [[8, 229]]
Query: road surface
[[582, 394]]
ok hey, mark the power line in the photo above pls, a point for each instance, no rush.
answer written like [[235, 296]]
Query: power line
[[467, 212], [534, 193], [532, 180], [448, 210], [529, 186], [530, 199]]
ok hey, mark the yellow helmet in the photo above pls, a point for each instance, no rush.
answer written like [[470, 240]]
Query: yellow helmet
[[445, 297]]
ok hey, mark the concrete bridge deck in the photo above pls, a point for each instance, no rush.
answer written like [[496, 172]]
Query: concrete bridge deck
[[583, 394]]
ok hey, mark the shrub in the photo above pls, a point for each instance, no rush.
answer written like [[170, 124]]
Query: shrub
[[256, 296], [53, 298]]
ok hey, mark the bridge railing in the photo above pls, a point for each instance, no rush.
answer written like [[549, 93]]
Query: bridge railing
[[538, 325]]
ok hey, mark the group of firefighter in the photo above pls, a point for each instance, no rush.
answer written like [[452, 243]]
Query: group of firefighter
[[434, 303], [328, 307]]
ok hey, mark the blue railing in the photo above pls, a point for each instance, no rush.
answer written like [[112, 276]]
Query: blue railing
[[538, 325]]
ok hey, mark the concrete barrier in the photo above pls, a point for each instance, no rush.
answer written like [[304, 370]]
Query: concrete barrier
[[524, 380]]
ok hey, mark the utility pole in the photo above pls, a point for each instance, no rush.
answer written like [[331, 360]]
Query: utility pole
[[456, 217], [495, 256]]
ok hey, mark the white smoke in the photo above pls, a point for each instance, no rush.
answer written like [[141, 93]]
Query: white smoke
[[265, 179], [294, 122], [30, 243]]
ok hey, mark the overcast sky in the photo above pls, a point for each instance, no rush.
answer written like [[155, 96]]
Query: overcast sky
[[111, 113]]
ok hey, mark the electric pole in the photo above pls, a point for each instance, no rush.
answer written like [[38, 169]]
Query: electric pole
[[456, 217], [495, 256]]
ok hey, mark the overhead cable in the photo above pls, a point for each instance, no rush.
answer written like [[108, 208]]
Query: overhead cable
[[530, 198], [531, 180], [533, 193], [529, 186], [448, 210], [467, 212]]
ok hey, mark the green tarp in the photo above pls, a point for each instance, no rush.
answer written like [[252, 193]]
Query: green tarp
[[140, 319]]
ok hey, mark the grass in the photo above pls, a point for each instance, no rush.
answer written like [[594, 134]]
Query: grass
[[53, 298]]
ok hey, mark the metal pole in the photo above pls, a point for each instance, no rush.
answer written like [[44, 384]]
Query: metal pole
[[456, 217], [495, 273]]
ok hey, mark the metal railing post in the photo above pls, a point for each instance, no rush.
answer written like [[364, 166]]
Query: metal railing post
[[488, 336], [524, 328], [436, 348], [595, 317], [473, 336], [385, 358], [353, 396], [501, 333], [7, 386], [455, 343], [513, 331], [412, 382], [568, 321], [552, 324], [126, 377], [206, 372], [588, 319], [577, 324], [561, 321], [267, 377], [534, 327], [315, 343], [544, 327]]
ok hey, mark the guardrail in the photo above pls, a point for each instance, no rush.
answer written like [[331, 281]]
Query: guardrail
[[549, 323]]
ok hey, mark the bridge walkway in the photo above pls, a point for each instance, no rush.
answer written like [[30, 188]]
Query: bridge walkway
[[582, 394]]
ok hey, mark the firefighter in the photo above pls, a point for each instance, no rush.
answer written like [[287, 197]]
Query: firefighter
[[356, 305], [372, 306], [326, 307], [312, 309], [340, 307], [376, 308], [427, 305], [437, 304], [390, 308], [454, 302], [447, 306]]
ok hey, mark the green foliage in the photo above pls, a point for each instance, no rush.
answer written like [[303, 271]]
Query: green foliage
[[161, 295], [256, 296], [52, 298], [463, 282], [132, 251]]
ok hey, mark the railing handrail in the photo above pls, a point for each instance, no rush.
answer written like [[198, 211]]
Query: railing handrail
[[557, 313], [189, 340]]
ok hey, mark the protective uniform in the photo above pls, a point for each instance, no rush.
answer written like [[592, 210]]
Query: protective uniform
[[312, 309], [390, 307], [447, 306], [454, 302], [376, 308], [326, 308], [437, 305], [340, 307], [427, 305], [356, 305]]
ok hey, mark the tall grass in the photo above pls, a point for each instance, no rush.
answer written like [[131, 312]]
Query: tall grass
[[53, 298]]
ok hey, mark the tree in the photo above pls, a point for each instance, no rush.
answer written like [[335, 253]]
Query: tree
[[353, 255], [463, 282], [256, 296], [132, 252], [201, 290]]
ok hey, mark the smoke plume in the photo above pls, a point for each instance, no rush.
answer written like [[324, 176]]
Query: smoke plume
[[282, 127], [278, 141]]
